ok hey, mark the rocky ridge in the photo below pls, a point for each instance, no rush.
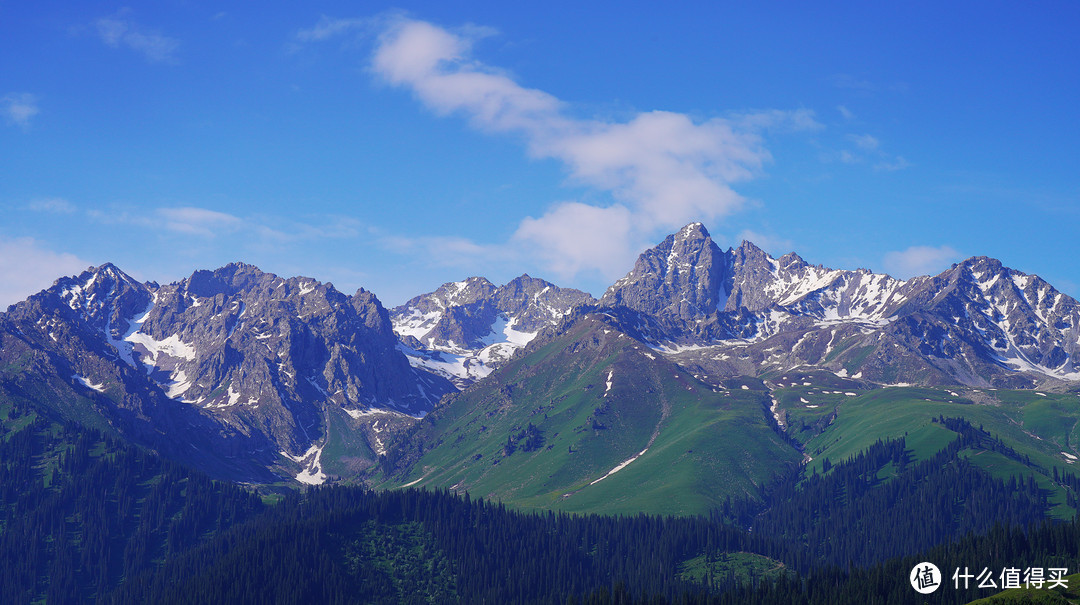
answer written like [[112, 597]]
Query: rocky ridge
[[267, 364], [464, 330], [742, 311]]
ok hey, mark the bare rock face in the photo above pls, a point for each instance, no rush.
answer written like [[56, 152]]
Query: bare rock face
[[978, 323], [464, 330], [260, 366], [683, 279], [255, 377]]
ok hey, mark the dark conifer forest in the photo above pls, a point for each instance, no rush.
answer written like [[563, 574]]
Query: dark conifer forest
[[85, 518]]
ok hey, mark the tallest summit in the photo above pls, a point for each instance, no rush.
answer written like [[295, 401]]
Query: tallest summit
[[681, 278]]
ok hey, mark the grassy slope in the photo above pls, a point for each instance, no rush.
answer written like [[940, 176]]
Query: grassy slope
[[703, 443], [1041, 426]]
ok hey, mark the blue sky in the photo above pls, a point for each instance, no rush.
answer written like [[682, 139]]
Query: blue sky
[[398, 147]]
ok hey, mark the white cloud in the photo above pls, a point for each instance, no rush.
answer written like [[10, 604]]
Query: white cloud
[[328, 28], [26, 268], [259, 230], [919, 260], [572, 238], [845, 112], [864, 141], [198, 221], [18, 108], [868, 150], [890, 164], [118, 31], [442, 250], [52, 205], [662, 169]]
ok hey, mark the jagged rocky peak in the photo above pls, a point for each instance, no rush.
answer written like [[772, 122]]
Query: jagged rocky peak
[[753, 271], [464, 292], [684, 277], [102, 296], [463, 314], [227, 280], [534, 303], [465, 329]]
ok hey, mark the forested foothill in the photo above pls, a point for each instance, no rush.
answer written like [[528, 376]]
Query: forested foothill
[[87, 518]]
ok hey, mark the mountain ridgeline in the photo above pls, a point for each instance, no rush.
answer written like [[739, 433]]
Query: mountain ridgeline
[[764, 429], [247, 374], [728, 366]]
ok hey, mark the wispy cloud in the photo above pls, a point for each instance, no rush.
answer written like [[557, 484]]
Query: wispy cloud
[[52, 205], [119, 31], [867, 149], [442, 250], [919, 260], [662, 169], [198, 221], [26, 267], [864, 141], [19, 108], [893, 163], [328, 27], [208, 224]]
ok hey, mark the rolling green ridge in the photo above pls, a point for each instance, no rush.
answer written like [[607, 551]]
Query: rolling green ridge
[[1040, 426], [593, 421]]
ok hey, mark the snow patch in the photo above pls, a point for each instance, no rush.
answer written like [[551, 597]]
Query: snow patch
[[358, 414], [100, 388], [312, 473], [620, 466], [178, 385]]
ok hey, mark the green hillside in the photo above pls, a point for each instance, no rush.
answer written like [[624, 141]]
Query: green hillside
[[593, 421], [1040, 427]]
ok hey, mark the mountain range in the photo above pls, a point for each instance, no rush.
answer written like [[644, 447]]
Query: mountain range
[[703, 372]]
